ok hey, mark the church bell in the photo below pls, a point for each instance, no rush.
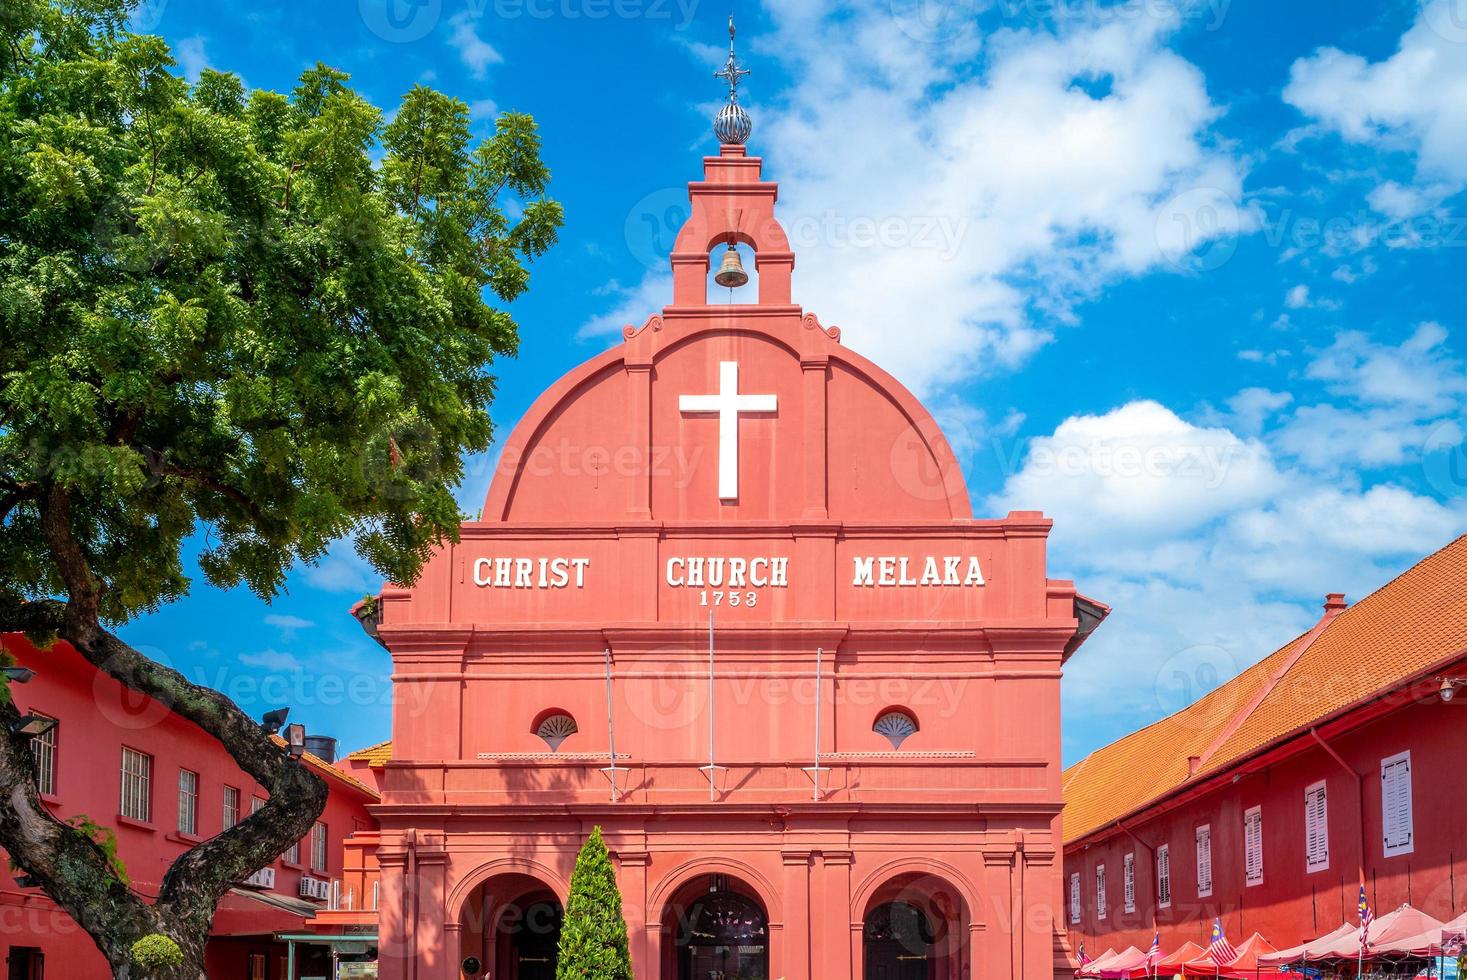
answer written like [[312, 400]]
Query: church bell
[[731, 273]]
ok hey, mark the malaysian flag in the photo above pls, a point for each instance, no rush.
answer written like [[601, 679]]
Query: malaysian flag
[[1222, 951], [1366, 917], [1084, 960]]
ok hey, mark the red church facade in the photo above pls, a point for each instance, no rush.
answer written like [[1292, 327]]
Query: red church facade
[[727, 600], [161, 785], [1333, 761]]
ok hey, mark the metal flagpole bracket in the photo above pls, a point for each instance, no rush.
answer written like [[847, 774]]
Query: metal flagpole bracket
[[713, 769], [611, 770]]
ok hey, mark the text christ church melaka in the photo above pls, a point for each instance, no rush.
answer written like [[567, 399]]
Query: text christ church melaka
[[639, 647]]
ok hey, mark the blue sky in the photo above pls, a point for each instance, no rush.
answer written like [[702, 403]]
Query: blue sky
[[1185, 275]]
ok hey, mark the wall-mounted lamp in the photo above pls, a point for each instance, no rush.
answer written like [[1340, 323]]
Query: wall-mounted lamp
[[20, 675], [273, 721], [1448, 690], [32, 726], [295, 738]]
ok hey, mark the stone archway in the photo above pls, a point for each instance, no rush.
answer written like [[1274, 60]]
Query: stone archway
[[715, 925], [510, 924], [915, 926]]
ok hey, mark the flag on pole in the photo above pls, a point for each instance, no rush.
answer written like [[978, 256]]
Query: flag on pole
[[1366, 917], [1222, 951], [1084, 960], [1154, 953]]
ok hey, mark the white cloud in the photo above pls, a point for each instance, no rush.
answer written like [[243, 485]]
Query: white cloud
[[476, 53], [191, 57], [945, 217], [1410, 102], [1297, 298], [1209, 572], [1419, 372], [270, 660], [1138, 473], [342, 570], [634, 305], [287, 624], [483, 109]]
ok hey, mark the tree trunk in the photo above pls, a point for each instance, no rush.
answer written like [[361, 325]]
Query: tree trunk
[[74, 870]]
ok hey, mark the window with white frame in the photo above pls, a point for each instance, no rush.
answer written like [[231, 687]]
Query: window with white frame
[[1316, 828], [1128, 884], [188, 802], [1164, 876], [1204, 861], [1395, 804], [43, 751], [231, 807], [318, 846], [293, 856], [256, 805], [137, 785], [1100, 891], [1253, 846], [376, 893], [1075, 898]]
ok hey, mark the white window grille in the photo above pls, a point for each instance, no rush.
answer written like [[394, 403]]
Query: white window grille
[[1164, 876], [1100, 891], [1316, 828], [1253, 846], [188, 802], [43, 750], [556, 729], [1204, 861], [137, 785], [1395, 805], [231, 807], [896, 727], [1128, 868]]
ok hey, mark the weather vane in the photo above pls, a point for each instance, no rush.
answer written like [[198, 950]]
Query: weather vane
[[732, 125], [731, 70]]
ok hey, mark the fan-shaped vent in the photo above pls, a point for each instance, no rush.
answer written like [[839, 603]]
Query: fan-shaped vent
[[556, 729], [896, 726]]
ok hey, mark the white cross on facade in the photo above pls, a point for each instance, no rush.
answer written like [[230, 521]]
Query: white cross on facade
[[727, 405]]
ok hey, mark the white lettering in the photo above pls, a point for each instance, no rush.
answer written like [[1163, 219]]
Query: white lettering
[[481, 571], [929, 572], [950, 569], [975, 574], [888, 571], [559, 573], [757, 578], [780, 577], [674, 563], [580, 565], [863, 570], [904, 578], [736, 568], [522, 569]]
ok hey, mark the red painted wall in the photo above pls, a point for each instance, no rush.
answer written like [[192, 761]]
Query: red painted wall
[[98, 717], [1291, 906]]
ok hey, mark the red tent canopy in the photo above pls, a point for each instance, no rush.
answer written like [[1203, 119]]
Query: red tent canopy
[[1088, 970], [1173, 964], [1312, 950], [1249, 953], [1128, 963], [1403, 923], [1427, 943]]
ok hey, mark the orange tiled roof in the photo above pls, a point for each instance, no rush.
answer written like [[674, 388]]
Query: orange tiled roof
[[374, 755], [326, 768], [1409, 625]]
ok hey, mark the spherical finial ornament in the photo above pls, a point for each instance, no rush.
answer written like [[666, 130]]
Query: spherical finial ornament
[[733, 125]]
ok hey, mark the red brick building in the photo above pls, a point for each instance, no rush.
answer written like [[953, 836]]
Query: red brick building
[[130, 764], [1334, 760]]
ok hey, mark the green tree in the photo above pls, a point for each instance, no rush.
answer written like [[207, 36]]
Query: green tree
[[252, 318], [593, 940]]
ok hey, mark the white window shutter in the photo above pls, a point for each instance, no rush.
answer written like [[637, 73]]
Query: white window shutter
[[1075, 898], [1164, 876], [1316, 828], [1395, 802], [1253, 846], [1129, 885], [1100, 891], [1204, 861]]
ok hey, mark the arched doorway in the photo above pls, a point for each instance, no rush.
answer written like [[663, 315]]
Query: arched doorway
[[511, 926], [915, 927], [715, 927], [898, 943]]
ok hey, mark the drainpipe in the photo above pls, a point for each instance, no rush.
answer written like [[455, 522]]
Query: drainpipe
[[1359, 793]]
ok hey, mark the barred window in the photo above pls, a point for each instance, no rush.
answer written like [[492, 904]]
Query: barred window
[[43, 749], [293, 855], [137, 785], [318, 846], [231, 807], [1164, 876], [188, 802]]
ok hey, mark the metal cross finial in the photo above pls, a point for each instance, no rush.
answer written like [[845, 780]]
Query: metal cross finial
[[731, 70]]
